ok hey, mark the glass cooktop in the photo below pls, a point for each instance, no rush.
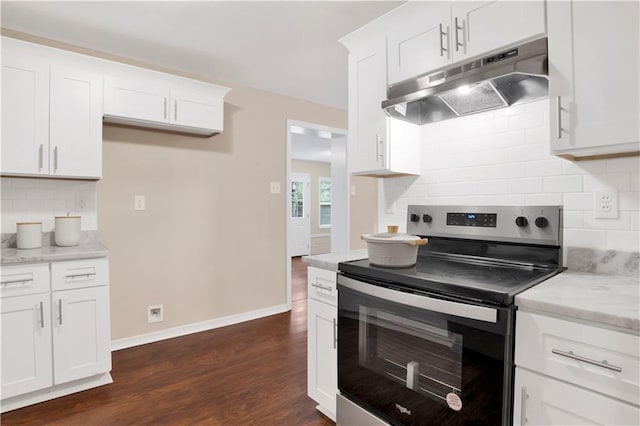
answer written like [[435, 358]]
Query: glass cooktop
[[480, 280]]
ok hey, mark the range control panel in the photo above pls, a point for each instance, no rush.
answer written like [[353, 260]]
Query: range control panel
[[521, 224]]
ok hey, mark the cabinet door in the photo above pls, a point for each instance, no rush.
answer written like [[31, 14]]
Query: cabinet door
[[421, 43], [135, 99], [540, 400], [25, 115], [322, 356], [483, 26], [26, 344], [75, 139], [367, 121], [594, 96], [201, 110], [81, 333]]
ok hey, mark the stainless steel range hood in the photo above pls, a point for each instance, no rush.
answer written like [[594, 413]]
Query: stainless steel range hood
[[500, 79]]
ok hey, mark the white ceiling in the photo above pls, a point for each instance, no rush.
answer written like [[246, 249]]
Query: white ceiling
[[285, 47], [310, 147]]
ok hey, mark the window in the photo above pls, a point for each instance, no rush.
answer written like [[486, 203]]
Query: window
[[297, 199], [325, 202]]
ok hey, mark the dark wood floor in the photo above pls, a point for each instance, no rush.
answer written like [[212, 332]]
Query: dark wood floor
[[245, 374]]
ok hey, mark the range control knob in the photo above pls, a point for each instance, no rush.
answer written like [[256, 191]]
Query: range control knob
[[521, 221], [426, 218], [414, 218], [542, 222]]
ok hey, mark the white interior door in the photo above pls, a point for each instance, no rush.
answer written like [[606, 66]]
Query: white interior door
[[299, 220]]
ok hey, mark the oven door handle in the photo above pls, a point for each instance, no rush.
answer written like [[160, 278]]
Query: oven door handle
[[457, 309]]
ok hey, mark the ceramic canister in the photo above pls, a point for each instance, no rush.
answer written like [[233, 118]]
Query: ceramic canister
[[67, 232], [29, 235]]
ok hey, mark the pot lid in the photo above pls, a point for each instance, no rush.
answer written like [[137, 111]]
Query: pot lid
[[390, 237]]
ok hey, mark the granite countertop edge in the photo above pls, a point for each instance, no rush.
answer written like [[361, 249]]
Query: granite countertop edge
[[14, 256], [609, 300], [330, 260]]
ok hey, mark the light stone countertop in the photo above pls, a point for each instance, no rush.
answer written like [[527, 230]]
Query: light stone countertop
[[330, 260], [606, 299], [88, 248]]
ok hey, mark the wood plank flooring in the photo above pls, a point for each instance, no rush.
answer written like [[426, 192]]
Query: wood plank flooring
[[245, 374]]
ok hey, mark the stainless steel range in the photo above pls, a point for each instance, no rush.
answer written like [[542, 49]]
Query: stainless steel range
[[433, 344]]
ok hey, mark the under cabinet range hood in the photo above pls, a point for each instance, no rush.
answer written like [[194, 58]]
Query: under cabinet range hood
[[496, 80]]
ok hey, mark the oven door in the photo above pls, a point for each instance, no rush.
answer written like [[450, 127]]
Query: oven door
[[419, 359]]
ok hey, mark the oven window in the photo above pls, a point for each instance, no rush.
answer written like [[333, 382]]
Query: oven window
[[426, 358], [411, 366]]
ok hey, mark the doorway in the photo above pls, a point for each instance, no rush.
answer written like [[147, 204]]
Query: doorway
[[320, 153]]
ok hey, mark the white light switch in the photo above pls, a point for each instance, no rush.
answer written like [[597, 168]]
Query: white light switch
[[275, 187], [139, 202]]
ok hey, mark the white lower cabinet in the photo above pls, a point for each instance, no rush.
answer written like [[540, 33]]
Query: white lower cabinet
[[26, 344], [322, 340], [570, 373], [54, 342], [542, 400], [81, 337]]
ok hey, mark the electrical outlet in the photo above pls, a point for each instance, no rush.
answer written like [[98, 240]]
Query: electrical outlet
[[274, 187], [155, 313], [81, 203], [605, 204], [139, 202]]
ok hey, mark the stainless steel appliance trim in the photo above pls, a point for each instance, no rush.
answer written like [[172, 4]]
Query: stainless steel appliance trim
[[350, 414], [462, 310], [603, 363], [335, 333]]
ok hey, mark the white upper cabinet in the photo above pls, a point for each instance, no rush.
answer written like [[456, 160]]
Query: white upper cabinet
[[149, 99], [75, 128], [135, 98], [422, 42], [425, 36], [479, 27], [25, 115], [593, 78], [51, 115], [378, 145]]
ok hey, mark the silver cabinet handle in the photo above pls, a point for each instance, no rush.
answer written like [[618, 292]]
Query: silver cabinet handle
[[523, 406], [41, 315], [55, 159], [175, 110], [165, 108], [458, 27], [40, 157], [17, 281], [323, 287], [603, 363], [89, 275], [559, 117], [335, 333], [442, 49], [60, 311]]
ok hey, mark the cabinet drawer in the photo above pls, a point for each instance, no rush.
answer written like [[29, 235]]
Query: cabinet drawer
[[322, 285], [540, 400], [79, 274], [603, 360], [19, 280]]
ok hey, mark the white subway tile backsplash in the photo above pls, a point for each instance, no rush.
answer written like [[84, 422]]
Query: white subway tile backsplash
[[578, 201], [619, 181], [502, 157], [43, 199], [573, 219], [584, 238], [623, 240], [563, 184]]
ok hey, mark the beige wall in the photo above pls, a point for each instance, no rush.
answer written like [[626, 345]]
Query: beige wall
[[211, 242]]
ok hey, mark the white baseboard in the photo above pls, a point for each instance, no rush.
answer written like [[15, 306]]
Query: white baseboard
[[197, 327]]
